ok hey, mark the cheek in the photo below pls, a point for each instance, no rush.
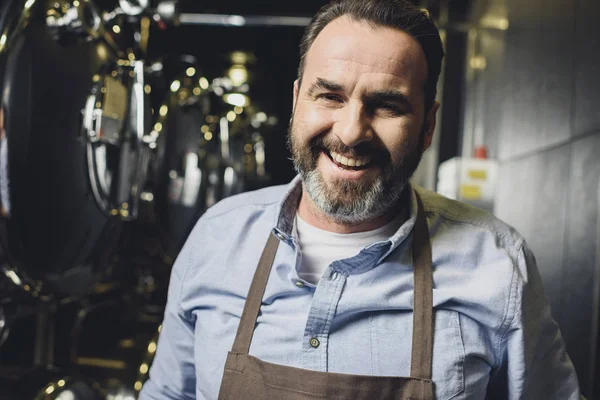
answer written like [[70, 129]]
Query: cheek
[[399, 138], [312, 121]]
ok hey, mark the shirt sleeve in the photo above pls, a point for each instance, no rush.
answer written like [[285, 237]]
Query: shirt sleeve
[[535, 364], [172, 374]]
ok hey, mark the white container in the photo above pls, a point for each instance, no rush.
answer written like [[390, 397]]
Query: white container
[[470, 180]]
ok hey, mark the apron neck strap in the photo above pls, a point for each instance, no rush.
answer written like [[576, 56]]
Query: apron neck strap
[[422, 342], [255, 295]]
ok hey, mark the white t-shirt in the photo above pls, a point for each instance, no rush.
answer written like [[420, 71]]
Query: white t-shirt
[[320, 248]]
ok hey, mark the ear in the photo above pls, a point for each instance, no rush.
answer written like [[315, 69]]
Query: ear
[[296, 90], [430, 125]]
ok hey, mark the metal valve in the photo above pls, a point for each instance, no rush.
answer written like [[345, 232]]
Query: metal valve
[[73, 21]]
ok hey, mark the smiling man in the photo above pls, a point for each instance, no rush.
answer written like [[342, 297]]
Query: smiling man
[[360, 124], [349, 283]]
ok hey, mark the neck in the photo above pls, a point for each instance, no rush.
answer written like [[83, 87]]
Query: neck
[[310, 213]]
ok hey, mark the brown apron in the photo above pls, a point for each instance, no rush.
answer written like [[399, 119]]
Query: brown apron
[[247, 377]]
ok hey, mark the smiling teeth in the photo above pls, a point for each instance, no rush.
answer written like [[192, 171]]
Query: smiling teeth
[[350, 162]]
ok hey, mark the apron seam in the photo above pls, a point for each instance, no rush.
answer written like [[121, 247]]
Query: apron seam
[[407, 378], [316, 394], [273, 385]]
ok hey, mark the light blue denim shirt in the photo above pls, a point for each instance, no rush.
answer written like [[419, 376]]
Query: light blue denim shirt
[[494, 335]]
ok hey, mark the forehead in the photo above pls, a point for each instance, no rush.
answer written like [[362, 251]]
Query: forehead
[[347, 49]]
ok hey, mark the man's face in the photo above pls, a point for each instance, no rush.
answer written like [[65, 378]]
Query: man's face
[[357, 131]]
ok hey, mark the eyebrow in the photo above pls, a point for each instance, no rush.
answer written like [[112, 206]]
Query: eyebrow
[[324, 84]]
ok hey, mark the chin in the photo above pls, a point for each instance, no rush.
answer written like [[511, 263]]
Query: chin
[[346, 202]]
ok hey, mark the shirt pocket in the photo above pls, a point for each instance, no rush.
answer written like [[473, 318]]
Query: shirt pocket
[[391, 340]]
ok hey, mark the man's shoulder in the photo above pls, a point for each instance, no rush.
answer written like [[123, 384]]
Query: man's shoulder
[[260, 199], [469, 217]]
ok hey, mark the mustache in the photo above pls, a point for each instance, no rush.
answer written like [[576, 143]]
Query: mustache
[[364, 149]]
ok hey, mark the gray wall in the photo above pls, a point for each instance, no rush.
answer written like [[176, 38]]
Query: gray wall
[[537, 103]]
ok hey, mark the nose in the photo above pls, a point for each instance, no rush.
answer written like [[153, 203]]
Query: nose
[[353, 126]]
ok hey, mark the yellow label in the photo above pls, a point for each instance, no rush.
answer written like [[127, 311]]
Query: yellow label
[[477, 174], [470, 192], [115, 99]]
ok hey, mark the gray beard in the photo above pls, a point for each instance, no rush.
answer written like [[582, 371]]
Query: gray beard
[[371, 204], [352, 203]]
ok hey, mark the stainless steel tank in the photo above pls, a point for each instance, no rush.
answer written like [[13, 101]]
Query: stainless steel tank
[[74, 143]]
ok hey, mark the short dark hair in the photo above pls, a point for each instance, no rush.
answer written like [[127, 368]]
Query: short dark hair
[[398, 14]]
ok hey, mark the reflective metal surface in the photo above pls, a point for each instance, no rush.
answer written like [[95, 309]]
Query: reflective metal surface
[[146, 362], [52, 229], [210, 145], [180, 180], [69, 388], [240, 148], [107, 159], [74, 142], [121, 354], [81, 20], [240, 20], [133, 7], [3, 326], [116, 121], [70, 21]]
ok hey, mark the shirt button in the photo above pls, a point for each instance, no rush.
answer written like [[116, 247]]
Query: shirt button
[[314, 342], [300, 284]]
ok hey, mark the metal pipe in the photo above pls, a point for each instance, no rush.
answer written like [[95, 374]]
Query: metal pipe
[[239, 20], [234, 20], [44, 335]]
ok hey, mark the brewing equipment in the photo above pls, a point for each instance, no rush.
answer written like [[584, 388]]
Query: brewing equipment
[[75, 147], [93, 172], [75, 139], [210, 146]]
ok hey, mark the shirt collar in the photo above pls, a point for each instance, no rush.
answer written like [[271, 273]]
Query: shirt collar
[[289, 205], [407, 227]]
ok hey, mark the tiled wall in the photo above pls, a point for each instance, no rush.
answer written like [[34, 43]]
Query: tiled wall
[[541, 119]]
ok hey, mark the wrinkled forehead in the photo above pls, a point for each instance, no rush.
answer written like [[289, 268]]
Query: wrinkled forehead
[[360, 47]]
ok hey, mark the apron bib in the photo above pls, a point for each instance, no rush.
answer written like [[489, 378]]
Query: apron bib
[[247, 377]]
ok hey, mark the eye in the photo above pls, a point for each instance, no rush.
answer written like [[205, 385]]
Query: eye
[[390, 108], [331, 97]]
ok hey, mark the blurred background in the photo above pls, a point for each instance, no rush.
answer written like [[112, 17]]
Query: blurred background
[[122, 121]]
